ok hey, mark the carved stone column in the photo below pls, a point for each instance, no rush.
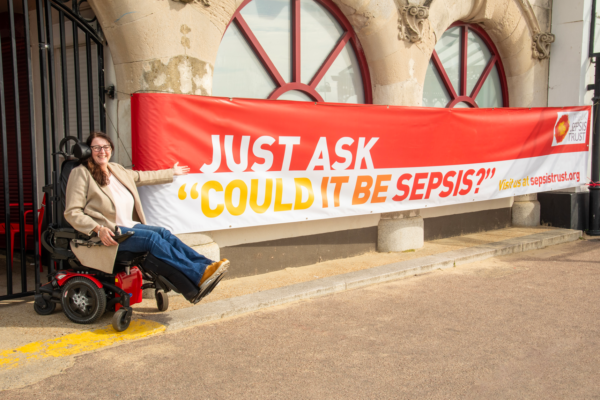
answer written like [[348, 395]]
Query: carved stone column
[[526, 211], [164, 46], [400, 231]]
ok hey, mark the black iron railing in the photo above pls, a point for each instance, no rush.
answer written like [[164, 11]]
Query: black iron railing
[[19, 183], [14, 131]]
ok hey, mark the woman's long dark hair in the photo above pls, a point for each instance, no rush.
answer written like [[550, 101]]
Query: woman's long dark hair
[[97, 173]]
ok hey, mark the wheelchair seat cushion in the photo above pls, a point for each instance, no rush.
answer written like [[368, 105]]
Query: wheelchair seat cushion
[[127, 256]]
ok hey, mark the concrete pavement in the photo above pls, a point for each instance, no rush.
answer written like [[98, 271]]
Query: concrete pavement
[[22, 365], [21, 326], [352, 280], [519, 326]]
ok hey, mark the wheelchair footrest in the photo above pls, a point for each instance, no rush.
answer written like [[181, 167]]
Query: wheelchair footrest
[[208, 290], [176, 280]]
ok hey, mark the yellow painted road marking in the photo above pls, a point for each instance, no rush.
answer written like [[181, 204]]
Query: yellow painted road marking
[[76, 343]]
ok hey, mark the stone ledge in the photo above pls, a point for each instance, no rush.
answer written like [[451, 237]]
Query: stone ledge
[[195, 239], [191, 316]]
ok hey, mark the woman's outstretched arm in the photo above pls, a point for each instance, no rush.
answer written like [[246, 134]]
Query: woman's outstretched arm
[[142, 178]]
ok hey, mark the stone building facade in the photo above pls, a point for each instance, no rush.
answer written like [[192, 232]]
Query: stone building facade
[[173, 46]]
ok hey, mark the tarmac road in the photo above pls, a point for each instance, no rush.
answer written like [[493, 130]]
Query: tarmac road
[[520, 326]]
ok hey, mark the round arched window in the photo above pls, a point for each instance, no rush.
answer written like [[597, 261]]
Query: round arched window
[[302, 50], [465, 70]]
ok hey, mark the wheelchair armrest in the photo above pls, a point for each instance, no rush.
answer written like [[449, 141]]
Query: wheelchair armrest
[[87, 243], [70, 233], [56, 253], [66, 233]]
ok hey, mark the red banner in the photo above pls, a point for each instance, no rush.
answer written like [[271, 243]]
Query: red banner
[[326, 160]]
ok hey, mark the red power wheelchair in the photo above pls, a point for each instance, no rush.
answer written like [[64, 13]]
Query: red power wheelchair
[[85, 293]]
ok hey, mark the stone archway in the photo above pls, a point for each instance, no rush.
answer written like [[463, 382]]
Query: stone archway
[[398, 39], [172, 45], [515, 30]]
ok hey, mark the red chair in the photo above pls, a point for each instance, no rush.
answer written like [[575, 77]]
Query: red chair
[[14, 228]]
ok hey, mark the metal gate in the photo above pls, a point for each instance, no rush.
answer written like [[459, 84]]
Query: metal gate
[[69, 97]]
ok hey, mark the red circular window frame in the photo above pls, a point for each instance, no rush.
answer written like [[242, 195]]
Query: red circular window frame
[[494, 60], [296, 83]]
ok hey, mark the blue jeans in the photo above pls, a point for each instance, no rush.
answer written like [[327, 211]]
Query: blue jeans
[[165, 246]]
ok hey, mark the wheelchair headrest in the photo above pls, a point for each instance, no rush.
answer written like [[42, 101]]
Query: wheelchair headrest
[[80, 150]]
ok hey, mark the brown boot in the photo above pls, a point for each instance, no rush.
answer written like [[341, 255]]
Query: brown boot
[[214, 270]]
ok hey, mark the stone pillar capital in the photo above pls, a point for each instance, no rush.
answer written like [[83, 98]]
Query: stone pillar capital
[[411, 22], [541, 45]]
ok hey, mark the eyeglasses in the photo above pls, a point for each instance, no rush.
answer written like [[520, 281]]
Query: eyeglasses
[[97, 149]]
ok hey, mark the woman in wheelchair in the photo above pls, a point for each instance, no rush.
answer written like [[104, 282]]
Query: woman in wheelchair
[[102, 198]]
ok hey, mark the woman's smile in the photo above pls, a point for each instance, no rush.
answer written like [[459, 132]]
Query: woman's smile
[[101, 151]]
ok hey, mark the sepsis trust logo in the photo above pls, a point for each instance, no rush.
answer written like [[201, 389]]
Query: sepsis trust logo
[[562, 128], [570, 128]]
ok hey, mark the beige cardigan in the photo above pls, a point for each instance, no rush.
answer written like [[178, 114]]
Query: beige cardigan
[[89, 205]]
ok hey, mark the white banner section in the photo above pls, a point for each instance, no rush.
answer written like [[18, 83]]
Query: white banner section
[[206, 202]]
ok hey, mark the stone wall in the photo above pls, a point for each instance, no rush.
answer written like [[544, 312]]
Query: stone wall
[[171, 46]]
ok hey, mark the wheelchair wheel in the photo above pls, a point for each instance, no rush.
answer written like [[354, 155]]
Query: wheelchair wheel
[[43, 306], [83, 302], [121, 320], [162, 300]]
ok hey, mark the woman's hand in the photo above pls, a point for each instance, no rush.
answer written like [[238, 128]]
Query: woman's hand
[[181, 170], [106, 235]]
